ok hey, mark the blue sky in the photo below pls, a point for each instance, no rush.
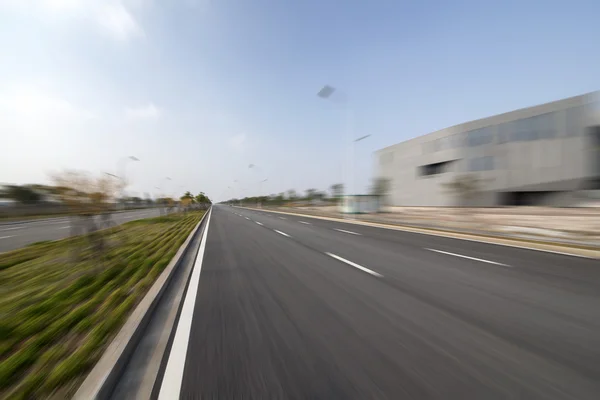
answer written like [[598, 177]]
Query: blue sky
[[199, 89]]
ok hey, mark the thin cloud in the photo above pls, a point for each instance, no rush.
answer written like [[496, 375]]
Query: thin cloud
[[118, 22], [237, 142], [114, 18], [36, 103], [147, 112]]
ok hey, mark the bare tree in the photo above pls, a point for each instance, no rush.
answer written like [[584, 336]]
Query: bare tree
[[465, 187], [380, 186], [310, 193], [87, 196], [337, 190], [292, 195]]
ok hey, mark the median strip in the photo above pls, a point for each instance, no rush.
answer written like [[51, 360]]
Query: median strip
[[355, 265], [63, 301]]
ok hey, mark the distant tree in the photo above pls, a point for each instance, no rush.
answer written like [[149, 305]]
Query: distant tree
[[137, 200], [465, 187], [85, 196], [380, 186], [320, 195], [21, 194], [147, 199], [310, 193], [187, 196], [201, 198], [292, 195], [337, 190]]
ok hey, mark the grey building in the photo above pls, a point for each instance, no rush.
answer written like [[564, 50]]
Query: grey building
[[543, 155]]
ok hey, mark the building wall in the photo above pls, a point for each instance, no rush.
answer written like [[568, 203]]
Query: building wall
[[539, 149]]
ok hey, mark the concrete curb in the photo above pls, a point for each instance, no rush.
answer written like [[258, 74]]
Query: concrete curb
[[102, 379], [519, 243]]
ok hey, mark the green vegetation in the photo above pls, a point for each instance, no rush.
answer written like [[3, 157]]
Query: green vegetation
[[56, 316]]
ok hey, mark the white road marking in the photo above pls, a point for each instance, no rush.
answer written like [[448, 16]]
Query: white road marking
[[6, 237], [304, 222], [12, 229], [64, 227], [470, 258], [381, 225], [282, 218], [258, 223], [281, 233], [247, 218], [355, 265], [171, 384], [350, 232]]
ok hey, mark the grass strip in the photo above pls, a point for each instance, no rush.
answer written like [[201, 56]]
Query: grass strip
[[57, 315]]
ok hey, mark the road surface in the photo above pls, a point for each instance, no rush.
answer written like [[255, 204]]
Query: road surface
[[21, 233], [286, 307]]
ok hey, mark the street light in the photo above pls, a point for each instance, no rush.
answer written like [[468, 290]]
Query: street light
[[325, 93], [121, 167], [163, 184], [354, 159], [259, 202], [121, 164]]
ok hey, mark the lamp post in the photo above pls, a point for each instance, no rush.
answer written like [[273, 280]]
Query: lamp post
[[260, 192], [325, 93], [163, 184], [121, 171], [353, 158]]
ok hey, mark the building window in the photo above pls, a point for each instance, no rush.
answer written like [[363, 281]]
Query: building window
[[523, 130], [574, 121], [456, 141], [480, 136], [545, 125], [434, 169], [485, 163], [504, 132]]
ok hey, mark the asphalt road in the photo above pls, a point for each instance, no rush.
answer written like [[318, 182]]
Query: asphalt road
[[286, 307], [17, 234]]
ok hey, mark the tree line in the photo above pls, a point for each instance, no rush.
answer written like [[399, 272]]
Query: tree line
[[379, 187]]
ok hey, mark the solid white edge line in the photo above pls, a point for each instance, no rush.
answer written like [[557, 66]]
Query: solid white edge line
[[281, 233], [367, 270], [470, 258], [350, 232], [173, 376], [304, 222], [258, 223]]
